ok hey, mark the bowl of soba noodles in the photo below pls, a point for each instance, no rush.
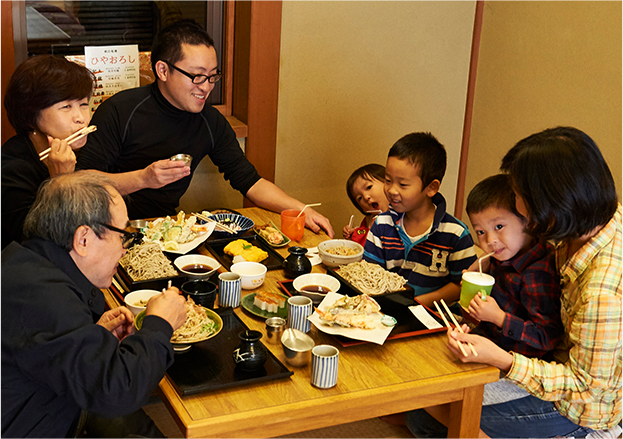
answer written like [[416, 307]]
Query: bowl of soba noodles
[[336, 252], [201, 324]]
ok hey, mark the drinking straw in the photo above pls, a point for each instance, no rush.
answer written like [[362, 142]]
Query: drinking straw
[[374, 211], [306, 206], [480, 261], [350, 223]]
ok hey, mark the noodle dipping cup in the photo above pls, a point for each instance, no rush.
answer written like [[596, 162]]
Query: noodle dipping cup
[[331, 260], [131, 299], [200, 263], [203, 292], [315, 279]]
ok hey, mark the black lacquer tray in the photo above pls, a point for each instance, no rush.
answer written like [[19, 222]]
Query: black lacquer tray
[[209, 365], [217, 246]]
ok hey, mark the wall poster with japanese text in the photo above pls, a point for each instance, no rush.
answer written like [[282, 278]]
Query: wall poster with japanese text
[[115, 68]]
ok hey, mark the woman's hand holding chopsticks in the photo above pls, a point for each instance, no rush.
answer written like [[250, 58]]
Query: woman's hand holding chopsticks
[[488, 351], [61, 158]]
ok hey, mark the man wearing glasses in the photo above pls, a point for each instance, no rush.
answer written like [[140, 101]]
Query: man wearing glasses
[[66, 362], [138, 130]]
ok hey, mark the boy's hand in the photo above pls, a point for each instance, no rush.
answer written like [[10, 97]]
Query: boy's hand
[[487, 310], [347, 232]]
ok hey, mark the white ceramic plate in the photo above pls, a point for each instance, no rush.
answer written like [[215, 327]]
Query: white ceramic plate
[[188, 246]]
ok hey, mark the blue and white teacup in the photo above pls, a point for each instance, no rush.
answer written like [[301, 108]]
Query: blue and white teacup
[[229, 290], [299, 308], [325, 359]]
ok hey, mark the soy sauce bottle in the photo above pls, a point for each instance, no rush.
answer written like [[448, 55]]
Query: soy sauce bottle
[[297, 263]]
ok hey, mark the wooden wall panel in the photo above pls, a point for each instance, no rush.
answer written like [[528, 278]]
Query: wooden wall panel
[[7, 63]]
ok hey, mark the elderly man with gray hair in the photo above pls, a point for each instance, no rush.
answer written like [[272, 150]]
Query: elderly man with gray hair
[[65, 360]]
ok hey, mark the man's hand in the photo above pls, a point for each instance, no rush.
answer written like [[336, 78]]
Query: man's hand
[[314, 222], [169, 306], [488, 352], [164, 172], [62, 159], [119, 321], [486, 310]]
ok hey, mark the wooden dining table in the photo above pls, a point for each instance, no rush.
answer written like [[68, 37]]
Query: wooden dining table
[[373, 380]]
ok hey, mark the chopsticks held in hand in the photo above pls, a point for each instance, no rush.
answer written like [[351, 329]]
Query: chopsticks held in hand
[[218, 225], [71, 139], [471, 346]]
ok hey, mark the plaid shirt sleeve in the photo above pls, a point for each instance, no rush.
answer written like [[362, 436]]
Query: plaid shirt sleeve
[[586, 387], [540, 296]]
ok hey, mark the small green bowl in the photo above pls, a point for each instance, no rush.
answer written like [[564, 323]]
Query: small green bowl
[[138, 323]]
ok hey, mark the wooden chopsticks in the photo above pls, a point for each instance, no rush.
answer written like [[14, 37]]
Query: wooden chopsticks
[[217, 226], [71, 139], [471, 346]]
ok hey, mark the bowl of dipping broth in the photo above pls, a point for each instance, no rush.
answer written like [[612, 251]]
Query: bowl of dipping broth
[[252, 274], [136, 301], [316, 286], [203, 292], [297, 347], [336, 252], [196, 266]]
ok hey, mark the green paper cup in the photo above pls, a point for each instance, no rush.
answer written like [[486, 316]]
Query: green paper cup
[[474, 282]]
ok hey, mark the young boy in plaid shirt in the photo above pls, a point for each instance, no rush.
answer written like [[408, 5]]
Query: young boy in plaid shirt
[[523, 312]]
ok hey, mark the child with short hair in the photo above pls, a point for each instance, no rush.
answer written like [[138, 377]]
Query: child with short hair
[[417, 238], [365, 189], [523, 312]]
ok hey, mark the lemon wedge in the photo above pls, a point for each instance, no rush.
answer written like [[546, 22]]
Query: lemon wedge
[[171, 245]]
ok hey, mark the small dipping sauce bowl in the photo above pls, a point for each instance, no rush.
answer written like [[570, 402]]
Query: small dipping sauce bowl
[[297, 346], [275, 326], [203, 292], [183, 158]]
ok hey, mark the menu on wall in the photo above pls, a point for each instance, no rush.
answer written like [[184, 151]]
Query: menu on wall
[[115, 68]]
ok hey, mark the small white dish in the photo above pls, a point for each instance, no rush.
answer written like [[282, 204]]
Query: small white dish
[[252, 274], [132, 299]]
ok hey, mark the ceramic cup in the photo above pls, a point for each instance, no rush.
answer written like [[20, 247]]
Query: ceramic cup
[[299, 308], [229, 290], [293, 224], [324, 365], [473, 283]]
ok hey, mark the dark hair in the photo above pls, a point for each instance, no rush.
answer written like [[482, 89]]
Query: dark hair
[[424, 152], [167, 44], [40, 82], [67, 202], [494, 191], [564, 181], [370, 172]]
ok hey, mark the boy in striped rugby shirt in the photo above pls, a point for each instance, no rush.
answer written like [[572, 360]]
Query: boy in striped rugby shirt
[[417, 238]]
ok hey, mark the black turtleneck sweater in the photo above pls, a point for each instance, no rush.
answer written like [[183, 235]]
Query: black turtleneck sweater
[[139, 126]]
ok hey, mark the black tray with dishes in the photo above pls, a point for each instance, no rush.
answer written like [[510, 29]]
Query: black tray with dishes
[[272, 262], [394, 304], [209, 365], [130, 285]]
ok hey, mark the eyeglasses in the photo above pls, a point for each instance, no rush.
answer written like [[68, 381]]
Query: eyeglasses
[[129, 238], [198, 79]]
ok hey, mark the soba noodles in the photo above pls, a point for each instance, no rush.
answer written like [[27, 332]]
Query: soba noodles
[[342, 250], [198, 325], [146, 261], [370, 278]]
